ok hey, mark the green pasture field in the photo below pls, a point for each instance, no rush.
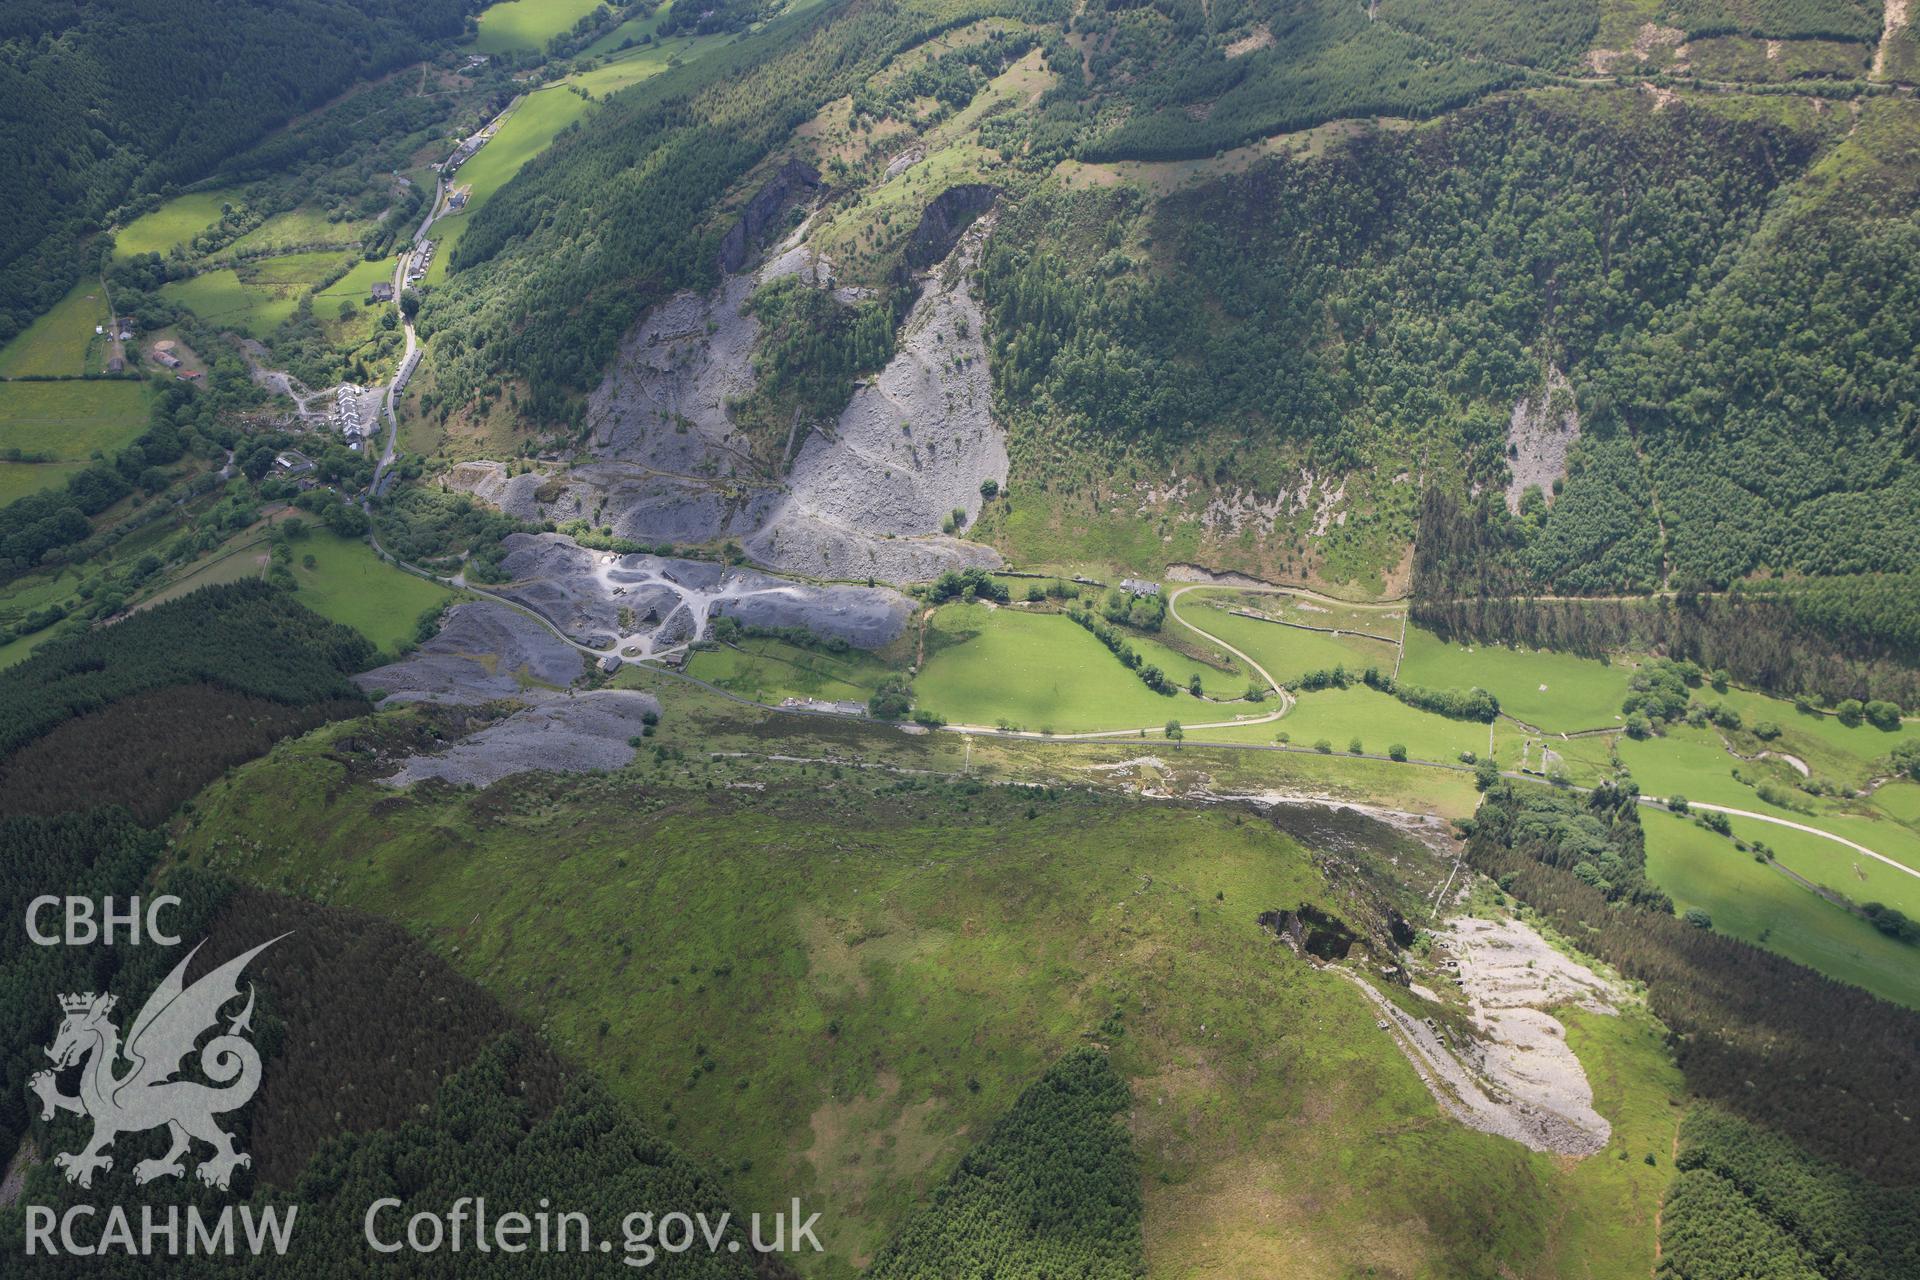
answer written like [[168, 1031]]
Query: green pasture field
[[1754, 902], [225, 564], [255, 297], [1381, 621], [1844, 870], [176, 222], [18, 479], [846, 977], [301, 228], [1557, 691], [1047, 531], [1831, 748], [222, 299], [61, 342], [1695, 764], [363, 318], [1379, 720], [1900, 800], [768, 671], [20, 650], [297, 270], [352, 585], [539, 119], [528, 24], [631, 29], [634, 65], [358, 282], [1045, 672], [1582, 761], [68, 421], [1286, 652]]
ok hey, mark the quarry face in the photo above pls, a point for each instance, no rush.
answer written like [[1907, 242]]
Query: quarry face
[[865, 499], [864, 496]]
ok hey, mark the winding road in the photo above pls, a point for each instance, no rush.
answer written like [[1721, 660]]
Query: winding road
[[1801, 826]]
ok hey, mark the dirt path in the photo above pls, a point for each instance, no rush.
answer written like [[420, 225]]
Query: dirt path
[[1896, 18]]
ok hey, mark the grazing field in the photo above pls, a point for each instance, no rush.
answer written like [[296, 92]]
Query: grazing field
[[254, 297], [528, 24], [296, 270], [62, 342], [176, 222], [68, 421], [635, 65], [914, 953], [1754, 902], [228, 564], [1853, 753], [771, 670], [1286, 652], [302, 228], [18, 479], [1045, 672], [348, 583], [632, 29], [1844, 870], [1901, 800], [537, 120], [221, 298], [1695, 763], [1556, 691], [356, 284], [1379, 720], [349, 294], [20, 650]]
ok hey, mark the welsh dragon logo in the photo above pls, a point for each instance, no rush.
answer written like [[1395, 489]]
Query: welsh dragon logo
[[146, 1096]]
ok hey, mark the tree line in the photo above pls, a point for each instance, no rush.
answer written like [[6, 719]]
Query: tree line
[[1794, 638]]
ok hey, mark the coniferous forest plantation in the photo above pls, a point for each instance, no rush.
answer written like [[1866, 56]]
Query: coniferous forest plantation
[[968, 639]]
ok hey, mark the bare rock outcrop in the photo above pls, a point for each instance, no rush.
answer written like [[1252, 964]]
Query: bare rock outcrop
[[870, 497], [946, 216], [1539, 438], [791, 181]]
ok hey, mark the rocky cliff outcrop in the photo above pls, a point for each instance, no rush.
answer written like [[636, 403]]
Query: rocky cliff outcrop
[[788, 183], [945, 220]]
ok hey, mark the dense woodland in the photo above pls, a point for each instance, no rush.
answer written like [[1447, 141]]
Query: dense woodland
[[248, 637], [103, 101], [1052, 1190], [153, 749], [1409, 287], [1326, 61], [1830, 19], [1797, 638], [1538, 34], [1839, 1065], [1747, 1203], [94, 854]]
